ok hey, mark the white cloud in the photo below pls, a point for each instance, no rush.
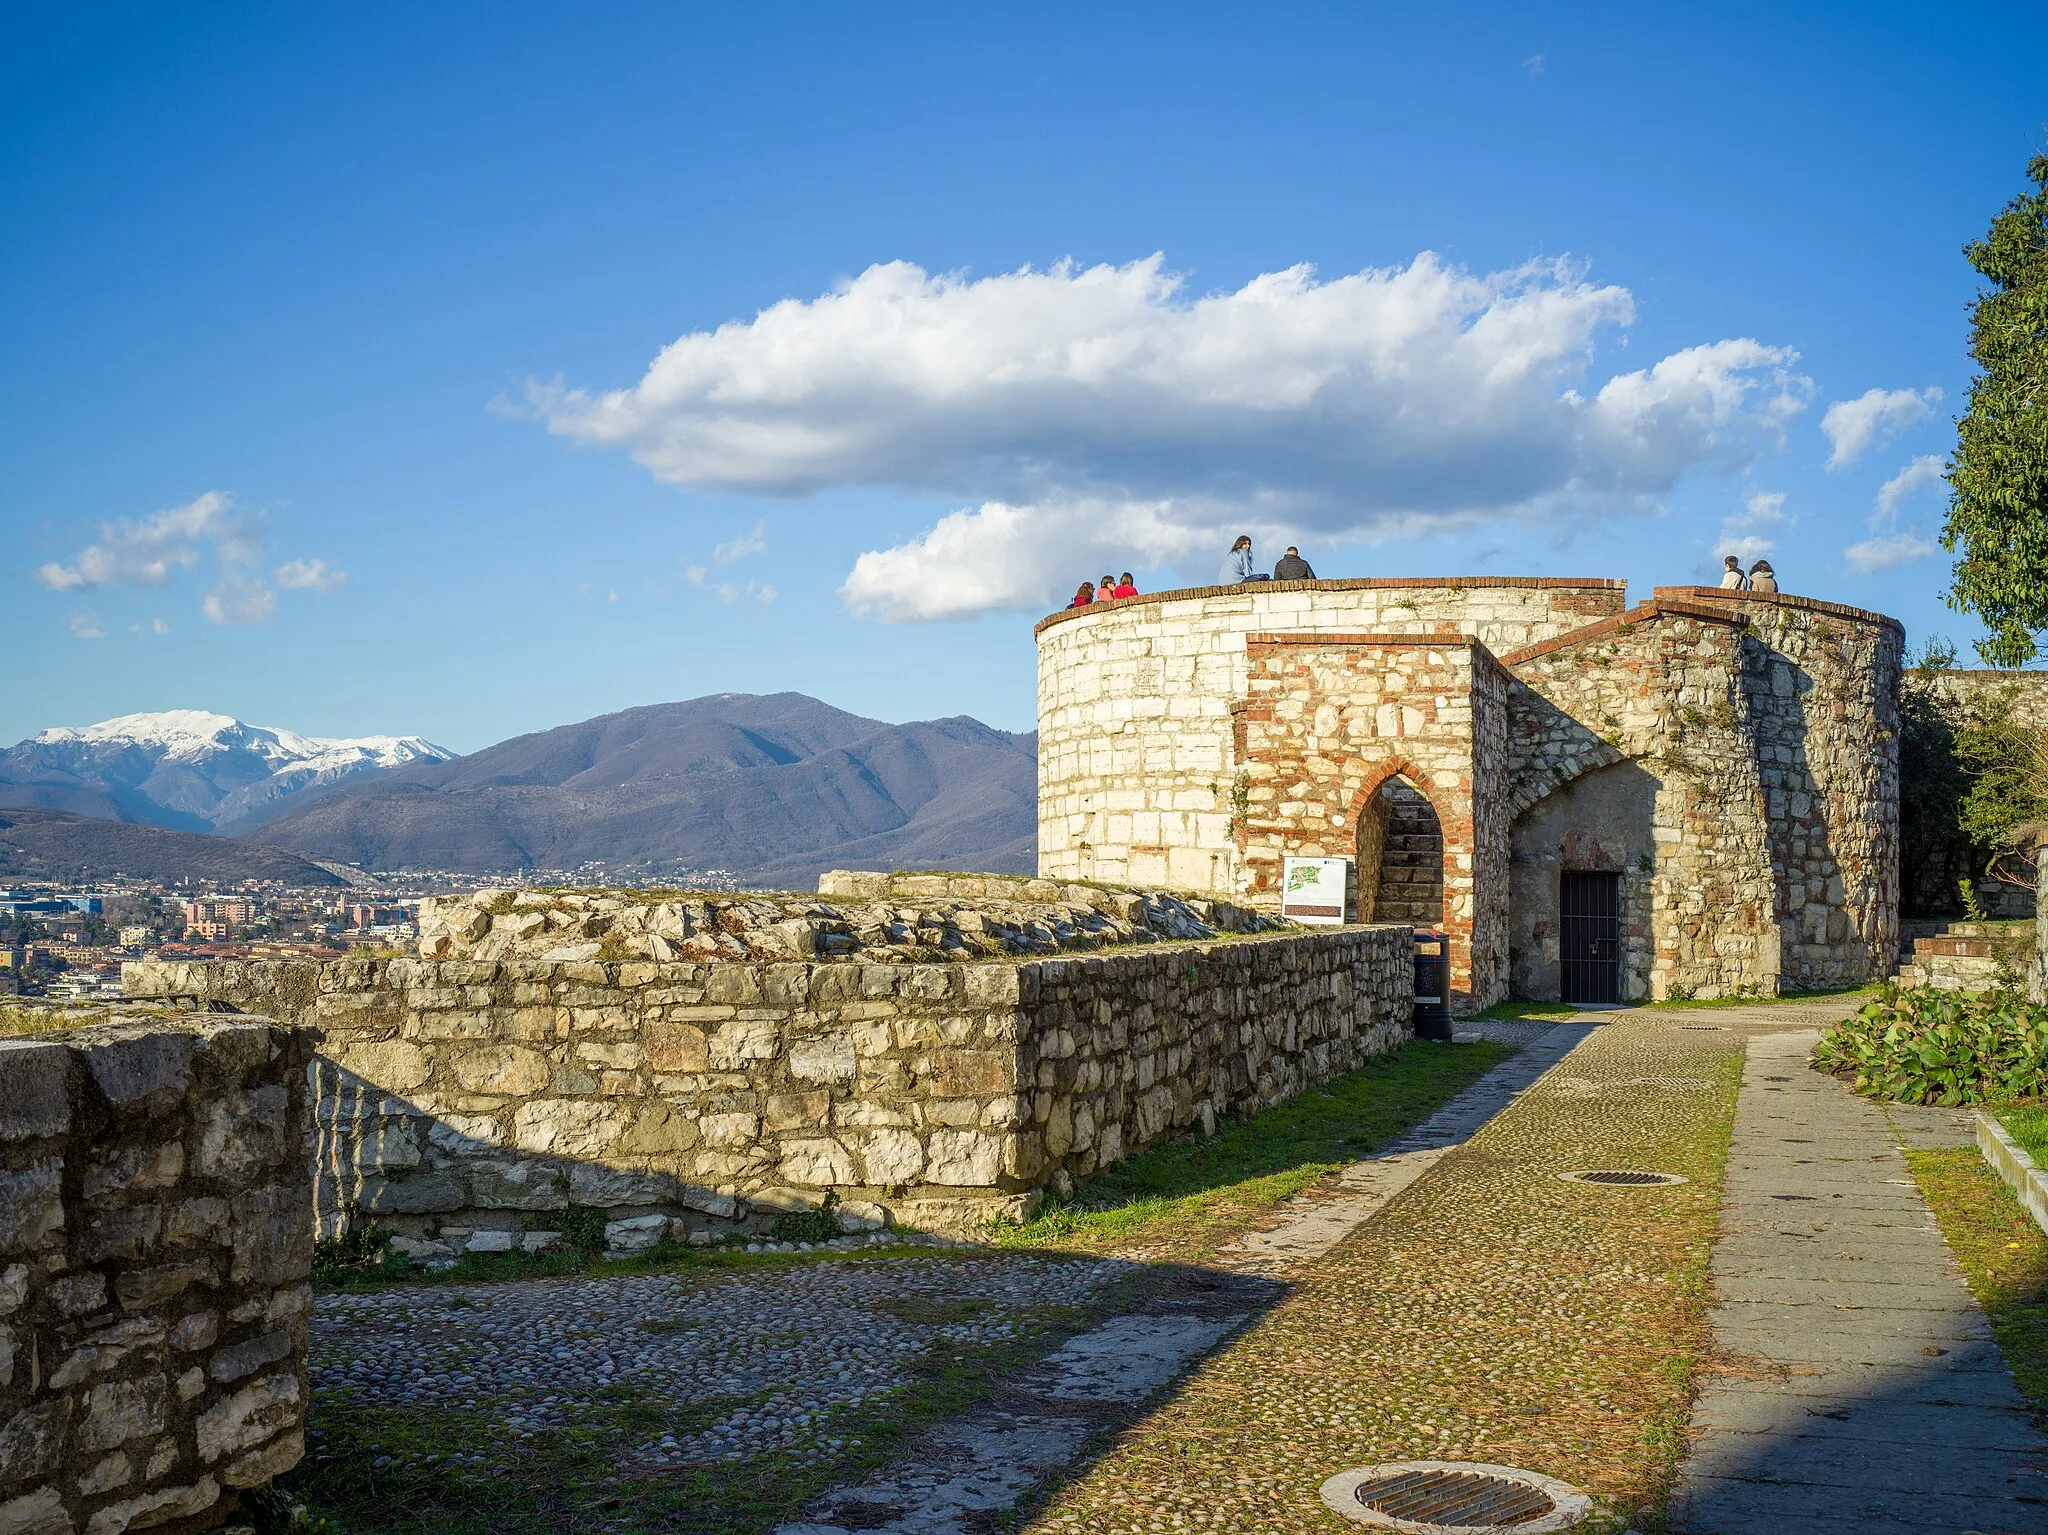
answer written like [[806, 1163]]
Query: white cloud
[[151, 551], [765, 594], [752, 543], [1927, 469], [1888, 545], [87, 626], [728, 592], [1742, 535], [696, 574], [1532, 66], [309, 575], [1884, 552], [1105, 414], [1853, 426], [240, 600]]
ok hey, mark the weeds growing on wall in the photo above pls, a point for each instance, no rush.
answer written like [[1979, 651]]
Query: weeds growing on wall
[[1941, 1047]]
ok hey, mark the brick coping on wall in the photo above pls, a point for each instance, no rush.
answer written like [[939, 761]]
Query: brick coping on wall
[[1780, 599], [1440, 638], [1354, 584], [1642, 612]]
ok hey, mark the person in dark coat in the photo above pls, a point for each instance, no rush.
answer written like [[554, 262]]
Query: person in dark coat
[[1293, 567]]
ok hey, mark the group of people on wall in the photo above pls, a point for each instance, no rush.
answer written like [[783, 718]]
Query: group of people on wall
[[1239, 567]]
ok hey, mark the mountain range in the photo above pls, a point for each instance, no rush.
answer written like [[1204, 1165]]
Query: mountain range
[[772, 789], [190, 770], [61, 848]]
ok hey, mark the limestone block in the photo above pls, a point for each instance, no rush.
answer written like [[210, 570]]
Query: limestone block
[[154, 1508], [40, 1512], [635, 1233], [744, 1040], [819, 1161], [888, 1155], [827, 1059], [37, 1102], [31, 1207], [259, 1466], [964, 1157], [574, 1127], [511, 1070]]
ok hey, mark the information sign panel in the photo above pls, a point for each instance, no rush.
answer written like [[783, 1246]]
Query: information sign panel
[[1312, 890]]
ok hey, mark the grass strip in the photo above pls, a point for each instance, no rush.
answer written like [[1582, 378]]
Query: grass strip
[[2028, 1126], [2002, 1253], [1186, 1196]]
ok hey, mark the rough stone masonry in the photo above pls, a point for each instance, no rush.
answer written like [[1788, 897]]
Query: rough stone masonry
[[468, 1104], [1711, 774], [155, 1238]]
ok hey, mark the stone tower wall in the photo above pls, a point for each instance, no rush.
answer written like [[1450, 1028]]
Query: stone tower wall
[[1135, 762], [1822, 686], [1633, 754]]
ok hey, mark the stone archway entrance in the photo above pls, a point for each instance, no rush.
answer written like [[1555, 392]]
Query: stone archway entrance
[[1401, 858]]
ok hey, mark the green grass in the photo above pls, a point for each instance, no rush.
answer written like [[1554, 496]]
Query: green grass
[[2029, 1127], [1195, 1185], [2002, 1253]]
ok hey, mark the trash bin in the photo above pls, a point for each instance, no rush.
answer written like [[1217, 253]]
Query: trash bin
[[1432, 985]]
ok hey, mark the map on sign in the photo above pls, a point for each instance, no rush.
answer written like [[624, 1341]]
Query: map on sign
[[1312, 889]]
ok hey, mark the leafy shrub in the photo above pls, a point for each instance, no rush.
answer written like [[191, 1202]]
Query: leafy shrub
[[582, 1227], [362, 1247], [819, 1225], [1941, 1047]]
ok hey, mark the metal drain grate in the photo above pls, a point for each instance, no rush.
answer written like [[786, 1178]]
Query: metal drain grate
[[1455, 1497], [1622, 1178], [1444, 1497]]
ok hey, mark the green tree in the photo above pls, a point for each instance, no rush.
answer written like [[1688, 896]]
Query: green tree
[[1998, 475]]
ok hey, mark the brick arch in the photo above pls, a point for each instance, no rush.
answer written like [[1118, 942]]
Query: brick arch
[[1384, 772]]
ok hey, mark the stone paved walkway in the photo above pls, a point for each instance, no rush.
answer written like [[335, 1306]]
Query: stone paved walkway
[[1858, 1386]]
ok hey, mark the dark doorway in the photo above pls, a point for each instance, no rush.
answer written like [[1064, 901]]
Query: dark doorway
[[1589, 936]]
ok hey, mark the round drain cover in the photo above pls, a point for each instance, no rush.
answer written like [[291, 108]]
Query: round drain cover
[[1450, 1497], [1622, 1178]]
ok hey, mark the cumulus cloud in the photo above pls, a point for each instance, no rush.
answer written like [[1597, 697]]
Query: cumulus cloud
[[1746, 535], [1108, 414], [309, 575], [1884, 552], [1923, 471], [152, 551], [87, 626], [1852, 427], [1888, 545], [240, 600]]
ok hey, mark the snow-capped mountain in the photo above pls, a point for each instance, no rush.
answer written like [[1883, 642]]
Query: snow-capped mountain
[[191, 769]]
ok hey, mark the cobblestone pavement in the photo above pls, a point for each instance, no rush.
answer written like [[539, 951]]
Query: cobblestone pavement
[[754, 1362], [1492, 1312], [1857, 1387]]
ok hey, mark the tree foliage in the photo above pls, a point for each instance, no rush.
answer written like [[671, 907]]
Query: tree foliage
[[1998, 475], [1970, 772]]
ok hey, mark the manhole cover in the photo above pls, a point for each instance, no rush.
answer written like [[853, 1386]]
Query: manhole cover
[[1621, 1178], [1444, 1497]]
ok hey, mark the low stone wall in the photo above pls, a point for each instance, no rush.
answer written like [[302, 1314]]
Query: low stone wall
[[155, 1238], [470, 1104]]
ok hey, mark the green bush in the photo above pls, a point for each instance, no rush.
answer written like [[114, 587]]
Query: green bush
[[362, 1248], [582, 1227], [1941, 1047], [819, 1225]]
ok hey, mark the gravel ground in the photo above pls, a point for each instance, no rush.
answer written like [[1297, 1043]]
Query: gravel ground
[[769, 1360]]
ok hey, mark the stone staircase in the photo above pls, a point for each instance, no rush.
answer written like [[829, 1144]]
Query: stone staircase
[[1963, 956], [1411, 887]]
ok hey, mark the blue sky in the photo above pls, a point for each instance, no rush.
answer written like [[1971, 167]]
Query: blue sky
[[345, 291]]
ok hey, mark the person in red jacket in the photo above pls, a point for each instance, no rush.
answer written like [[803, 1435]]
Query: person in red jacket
[[1084, 596], [1125, 587]]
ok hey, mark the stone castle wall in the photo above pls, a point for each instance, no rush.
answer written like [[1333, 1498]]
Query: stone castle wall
[[1822, 683], [1326, 720], [1633, 756], [468, 1104], [155, 1238], [1135, 769]]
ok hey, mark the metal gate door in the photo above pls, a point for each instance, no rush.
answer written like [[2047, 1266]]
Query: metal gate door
[[1589, 937]]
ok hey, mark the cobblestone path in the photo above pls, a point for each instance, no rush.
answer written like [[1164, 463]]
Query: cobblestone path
[[1492, 1312], [1856, 1387]]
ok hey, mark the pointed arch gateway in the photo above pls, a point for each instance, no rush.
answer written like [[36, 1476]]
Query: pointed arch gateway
[[1400, 856]]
